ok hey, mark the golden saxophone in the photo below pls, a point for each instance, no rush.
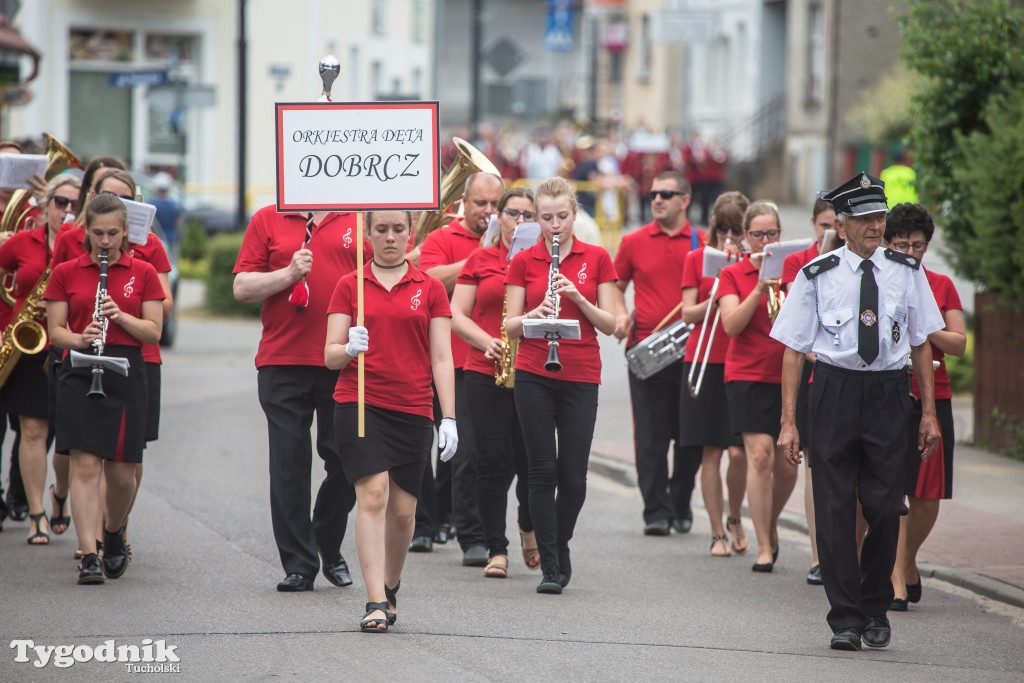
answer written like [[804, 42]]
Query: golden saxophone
[[24, 334], [504, 369]]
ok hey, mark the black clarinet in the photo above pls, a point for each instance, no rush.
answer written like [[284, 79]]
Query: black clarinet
[[553, 364], [96, 390]]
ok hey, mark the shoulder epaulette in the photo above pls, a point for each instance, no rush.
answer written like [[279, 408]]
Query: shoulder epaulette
[[900, 257], [819, 266]]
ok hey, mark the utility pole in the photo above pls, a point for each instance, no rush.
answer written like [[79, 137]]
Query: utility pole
[[476, 33], [240, 217]]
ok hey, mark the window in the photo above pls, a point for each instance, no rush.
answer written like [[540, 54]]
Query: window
[[376, 75], [100, 45], [816, 56], [378, 18], [419, 21], [353, 74], [416, 83], [646, 49]]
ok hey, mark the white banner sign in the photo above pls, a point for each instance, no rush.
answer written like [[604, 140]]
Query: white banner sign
[[358, 156]]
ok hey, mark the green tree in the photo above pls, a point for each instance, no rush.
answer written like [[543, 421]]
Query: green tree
[[968, 51]]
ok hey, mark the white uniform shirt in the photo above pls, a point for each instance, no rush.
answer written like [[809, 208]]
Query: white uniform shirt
[[821, 314]]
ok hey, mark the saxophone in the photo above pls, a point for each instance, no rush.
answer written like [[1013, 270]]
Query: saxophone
[[24, 334], [504, 369]]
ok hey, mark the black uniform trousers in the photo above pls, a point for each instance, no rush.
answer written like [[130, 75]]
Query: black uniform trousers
[[655, 403], [290, 396], [859, 423], [434, 504]]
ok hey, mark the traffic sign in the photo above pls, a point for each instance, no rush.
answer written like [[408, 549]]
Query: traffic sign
[[558, 35], [131, 79]]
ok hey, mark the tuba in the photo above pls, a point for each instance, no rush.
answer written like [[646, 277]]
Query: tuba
[[60, 160], [469, 160]]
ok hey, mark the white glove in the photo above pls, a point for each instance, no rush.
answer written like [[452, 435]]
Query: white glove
[[447, 439], [358, 340]]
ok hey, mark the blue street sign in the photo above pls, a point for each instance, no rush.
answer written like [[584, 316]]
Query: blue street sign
[[130, 79], [558, 34]]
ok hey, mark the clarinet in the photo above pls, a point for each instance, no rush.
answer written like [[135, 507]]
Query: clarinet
[[96, 390], [553, 364]]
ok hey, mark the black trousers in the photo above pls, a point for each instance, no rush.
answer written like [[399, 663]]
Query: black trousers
[[501, 456], [655, 428], [558, 419], [860, 425], [290, 396], [434, 504]]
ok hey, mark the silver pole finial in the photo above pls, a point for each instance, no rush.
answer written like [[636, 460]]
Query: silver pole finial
[[330, 67]]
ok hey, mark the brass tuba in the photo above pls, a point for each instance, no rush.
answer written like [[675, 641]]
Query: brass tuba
[[24, 334], [469, 160], [60, 160]]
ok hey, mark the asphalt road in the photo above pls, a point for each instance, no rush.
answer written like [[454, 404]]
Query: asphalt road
[[206, 566]]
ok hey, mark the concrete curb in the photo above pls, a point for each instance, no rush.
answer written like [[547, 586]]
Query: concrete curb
[[982, 585]]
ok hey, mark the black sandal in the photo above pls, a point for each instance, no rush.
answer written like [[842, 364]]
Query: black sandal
[[372, 607], [724, 538], [63, 519], [36, 519], [392, 599]]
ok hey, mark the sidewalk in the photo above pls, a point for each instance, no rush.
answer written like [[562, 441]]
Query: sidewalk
[[976, 542]]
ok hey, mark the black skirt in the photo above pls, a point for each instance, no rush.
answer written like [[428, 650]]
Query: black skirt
[[25, 392], [704, 421], [112, 427], [395, 442], [153, 411], [755, 407]]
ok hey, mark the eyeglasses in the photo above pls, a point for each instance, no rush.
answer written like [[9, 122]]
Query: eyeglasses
[[514, 214], [725, 229], [907, 246], [119, 196], [62, 202], [664, 194], [762, 234]]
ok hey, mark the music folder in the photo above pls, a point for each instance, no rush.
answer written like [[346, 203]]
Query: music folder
[[560, 329], [714, 261], [775, 256], [88, 360]]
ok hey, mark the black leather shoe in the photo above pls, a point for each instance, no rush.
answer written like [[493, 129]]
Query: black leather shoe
[[337, 572], [877, 633], [550, 584], [421, 544], [914, 591], [682, 525], [659, 527], [475, 556], [564, 566], [442, 534], [846, 639], [898, 605], [814, 576], [17, 508], [295, 583], [763, 567], [89, 570], [3, 507], [115, 555]]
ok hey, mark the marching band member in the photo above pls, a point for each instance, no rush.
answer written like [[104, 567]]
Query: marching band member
[[909, 229], [822, 218], [407, 313], [862, 311], [27, 254], [652, 258], [704, 418], [478, 305], [557, 410], [107, 436], [281, 253], [753, 376]]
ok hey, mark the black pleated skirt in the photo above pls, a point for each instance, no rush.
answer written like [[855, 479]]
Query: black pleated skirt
[[704, 421]]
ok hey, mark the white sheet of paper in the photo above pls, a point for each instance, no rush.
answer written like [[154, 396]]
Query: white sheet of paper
[[524, 237], [775, 256], [539, 329], [714, 261], [830, 235], [16, 169], [492, 230], [140, 220]]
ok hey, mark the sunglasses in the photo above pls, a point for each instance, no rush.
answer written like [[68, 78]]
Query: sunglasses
[[664, 194], [725, 229], [514, 214], [119, 196], [761, 234], [63, 202]]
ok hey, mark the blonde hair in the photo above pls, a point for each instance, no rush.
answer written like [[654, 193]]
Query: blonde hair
[[557, 187], [762, 207]]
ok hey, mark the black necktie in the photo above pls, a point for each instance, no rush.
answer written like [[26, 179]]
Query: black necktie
[[867, 333]]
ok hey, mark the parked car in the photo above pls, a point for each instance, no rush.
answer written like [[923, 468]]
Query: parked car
[[213, 219]]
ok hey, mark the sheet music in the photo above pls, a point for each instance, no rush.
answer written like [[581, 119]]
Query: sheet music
[[493, 230], [566, 328], [17, 169], [140, 220], [524, 237], [830, 235], [714, 261], [775, 255]]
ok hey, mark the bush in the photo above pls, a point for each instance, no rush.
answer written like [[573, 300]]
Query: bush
[[194, 242], [220, 299]]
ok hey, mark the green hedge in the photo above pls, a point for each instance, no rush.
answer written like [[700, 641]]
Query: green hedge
[[194, 242], [220, 299]]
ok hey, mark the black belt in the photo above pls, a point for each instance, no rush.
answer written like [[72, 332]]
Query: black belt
[[821, 367]]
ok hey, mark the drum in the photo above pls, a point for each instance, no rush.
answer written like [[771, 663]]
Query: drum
[[659, 350]]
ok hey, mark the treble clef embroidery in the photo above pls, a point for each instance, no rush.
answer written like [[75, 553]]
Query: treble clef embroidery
[[347, 238], [582, 275], [128, 289], [415, 300]]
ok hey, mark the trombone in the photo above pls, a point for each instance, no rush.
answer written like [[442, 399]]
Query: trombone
[[695, 389]]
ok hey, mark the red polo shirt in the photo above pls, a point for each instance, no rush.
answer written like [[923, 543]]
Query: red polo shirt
[[485, 270], [292, 337], [443, 247], [948, 300], [794, 262], [70, 245], [753, 356], [398, 372], [693, 276], [586, 266], [653, 260], [130, 281]]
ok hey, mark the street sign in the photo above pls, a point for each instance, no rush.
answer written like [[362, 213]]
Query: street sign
[[504, 56], [674, 26], [177, 96], [558, 34], [131, 79]]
